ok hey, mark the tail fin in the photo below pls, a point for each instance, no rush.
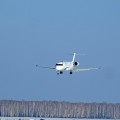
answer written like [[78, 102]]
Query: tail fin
[[74, 54], [73, 57]]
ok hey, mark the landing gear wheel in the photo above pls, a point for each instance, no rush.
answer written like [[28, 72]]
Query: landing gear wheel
[[70, 72], [61, 72]]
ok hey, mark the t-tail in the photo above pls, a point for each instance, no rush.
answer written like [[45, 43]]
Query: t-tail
[[74, 54], [73, 57]]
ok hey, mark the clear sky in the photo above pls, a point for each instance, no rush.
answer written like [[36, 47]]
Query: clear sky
[[45, 32]]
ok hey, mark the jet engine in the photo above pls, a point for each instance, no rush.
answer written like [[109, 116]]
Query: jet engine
[[76, 63]]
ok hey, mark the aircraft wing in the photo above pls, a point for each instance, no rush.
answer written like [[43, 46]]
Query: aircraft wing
[[86, 69], [46, 67]]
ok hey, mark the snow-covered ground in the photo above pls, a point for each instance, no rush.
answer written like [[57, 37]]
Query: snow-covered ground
[[35, 118]]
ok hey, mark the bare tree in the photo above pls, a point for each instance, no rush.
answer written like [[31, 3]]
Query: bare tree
[[11, 108]]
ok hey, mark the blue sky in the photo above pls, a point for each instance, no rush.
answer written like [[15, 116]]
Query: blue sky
[[45, 32]]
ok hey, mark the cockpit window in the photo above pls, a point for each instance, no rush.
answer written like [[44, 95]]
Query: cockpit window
[[59, 64]]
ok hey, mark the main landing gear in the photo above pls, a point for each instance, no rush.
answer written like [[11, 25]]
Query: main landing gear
[[61, 72], [70, 72]]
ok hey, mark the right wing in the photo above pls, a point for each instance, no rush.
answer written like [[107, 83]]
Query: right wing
[[46, 67], [87, 69]]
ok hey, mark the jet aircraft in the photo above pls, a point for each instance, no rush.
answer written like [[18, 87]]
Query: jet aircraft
[[67, 66]]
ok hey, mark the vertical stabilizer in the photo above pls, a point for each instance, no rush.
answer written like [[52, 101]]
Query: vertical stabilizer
[[73, 57]]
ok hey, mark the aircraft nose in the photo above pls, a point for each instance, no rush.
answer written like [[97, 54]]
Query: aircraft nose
[[58, 68]]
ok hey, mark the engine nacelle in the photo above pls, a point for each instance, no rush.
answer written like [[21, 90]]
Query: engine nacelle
[[76, 63]]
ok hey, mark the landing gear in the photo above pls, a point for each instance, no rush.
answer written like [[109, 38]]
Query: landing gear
[[61, 72], [70, 72]]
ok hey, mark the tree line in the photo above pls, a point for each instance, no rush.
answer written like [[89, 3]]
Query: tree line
[[54, 109]]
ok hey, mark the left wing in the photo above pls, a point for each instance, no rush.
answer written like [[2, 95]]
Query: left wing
[[87, 69], [46, 67]]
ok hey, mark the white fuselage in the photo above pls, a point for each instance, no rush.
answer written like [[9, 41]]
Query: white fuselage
[[60, 66]]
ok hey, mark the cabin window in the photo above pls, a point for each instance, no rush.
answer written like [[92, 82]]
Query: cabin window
[[59, 64]]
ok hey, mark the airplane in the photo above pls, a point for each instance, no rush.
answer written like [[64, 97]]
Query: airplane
[[67, 66]]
